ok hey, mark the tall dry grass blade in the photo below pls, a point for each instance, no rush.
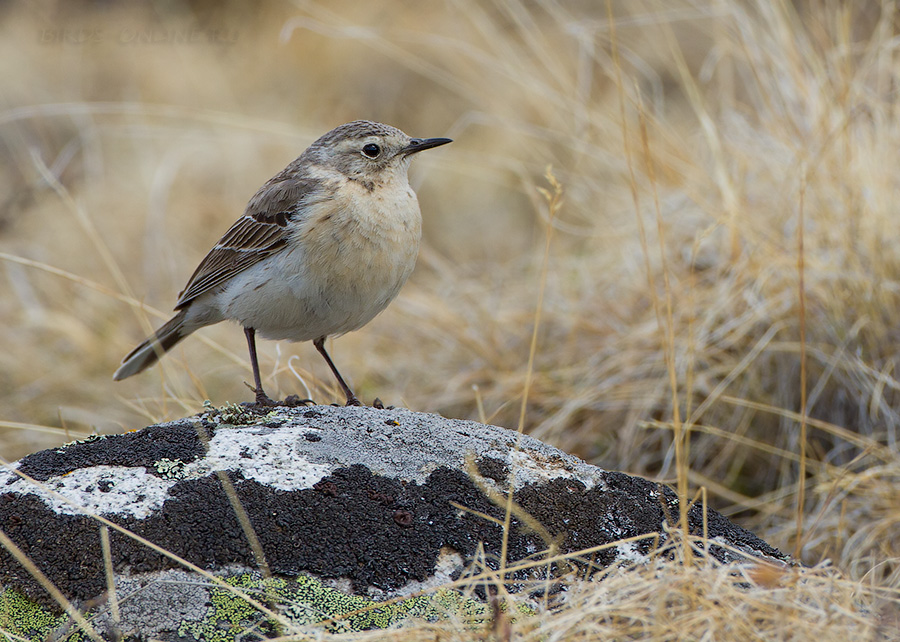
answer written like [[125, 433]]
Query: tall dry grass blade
[[82, 281], [84, 221], [111, 596], [553, 197], [801, 311], [50, 430], [680, 434], [665, 325]]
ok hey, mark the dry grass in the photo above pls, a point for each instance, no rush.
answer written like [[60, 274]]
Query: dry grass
[[664, 603], [690, 142]]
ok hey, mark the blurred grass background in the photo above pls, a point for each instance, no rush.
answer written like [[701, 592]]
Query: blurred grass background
[[691, 140]]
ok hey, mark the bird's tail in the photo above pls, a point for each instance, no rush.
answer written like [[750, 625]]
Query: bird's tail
[[153, 347]]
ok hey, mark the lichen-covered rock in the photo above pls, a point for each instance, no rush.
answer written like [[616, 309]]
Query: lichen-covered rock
[[361, 515]]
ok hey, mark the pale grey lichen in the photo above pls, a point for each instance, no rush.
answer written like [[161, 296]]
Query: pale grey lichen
[[170, 468], [87, 440]]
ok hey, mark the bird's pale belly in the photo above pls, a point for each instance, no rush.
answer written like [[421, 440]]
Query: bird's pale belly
[[336, 285]]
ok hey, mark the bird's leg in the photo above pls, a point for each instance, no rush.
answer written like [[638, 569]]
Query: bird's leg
[[351, 398], [262, 398]]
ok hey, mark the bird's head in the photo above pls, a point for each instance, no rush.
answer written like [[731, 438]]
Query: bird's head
[[365, 150]]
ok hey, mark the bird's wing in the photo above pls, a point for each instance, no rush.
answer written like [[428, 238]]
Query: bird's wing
[[261, 232]]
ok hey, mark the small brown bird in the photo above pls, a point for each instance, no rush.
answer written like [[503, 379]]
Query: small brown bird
[[322, 248]]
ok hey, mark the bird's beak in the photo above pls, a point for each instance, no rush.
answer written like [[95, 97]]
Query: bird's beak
[[421, 144]]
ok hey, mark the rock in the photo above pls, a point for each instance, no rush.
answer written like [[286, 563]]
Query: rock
[[352, 508]]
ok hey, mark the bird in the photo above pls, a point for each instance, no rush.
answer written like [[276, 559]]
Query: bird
[[321, 249]]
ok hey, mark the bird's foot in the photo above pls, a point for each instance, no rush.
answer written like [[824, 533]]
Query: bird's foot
[[378, 404], [262, 399], [291, 401], [294, 401]]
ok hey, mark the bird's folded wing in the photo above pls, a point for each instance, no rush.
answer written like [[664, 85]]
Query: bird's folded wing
[[262, 231]]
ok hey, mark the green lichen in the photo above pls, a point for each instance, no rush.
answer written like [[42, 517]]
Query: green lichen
[[228, 614], [302, 601], [23, 618], [306, 602]]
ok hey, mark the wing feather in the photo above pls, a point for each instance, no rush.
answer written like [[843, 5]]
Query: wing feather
[[261, 232]]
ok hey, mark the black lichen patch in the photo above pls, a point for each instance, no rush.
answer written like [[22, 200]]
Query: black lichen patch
[[350, 531], [375, 531], [141, 448], [65, 548], [627, 507], [493, 468]]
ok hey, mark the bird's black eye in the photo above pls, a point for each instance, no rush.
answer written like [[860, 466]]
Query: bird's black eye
[[371, 150]]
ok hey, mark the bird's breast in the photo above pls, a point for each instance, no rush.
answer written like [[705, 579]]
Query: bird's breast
[[362, 239], [351, 255], [345, 261]]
